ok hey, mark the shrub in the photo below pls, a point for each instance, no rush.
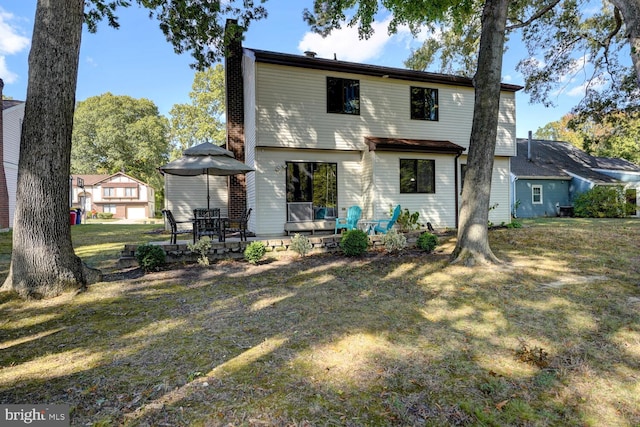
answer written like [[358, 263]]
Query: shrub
[[394, 241], [427, 242], [105, 215], [202, 247], [601, 202], [408, 221], [300, 244], [514, 224], [354, 242], [254, 252], [150, 257]]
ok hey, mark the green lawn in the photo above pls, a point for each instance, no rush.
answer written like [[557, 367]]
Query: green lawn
[[552, 337]]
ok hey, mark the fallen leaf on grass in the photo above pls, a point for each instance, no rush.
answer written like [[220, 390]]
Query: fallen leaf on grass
[[500, 405]]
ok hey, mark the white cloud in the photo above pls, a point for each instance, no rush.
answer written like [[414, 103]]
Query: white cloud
[[6, 75], [90, 61], [11, 42], [346, 45]]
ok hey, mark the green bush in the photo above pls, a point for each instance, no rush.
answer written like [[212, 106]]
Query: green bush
[[601, 202], [254, 252], [408, 221], [394, 241], [514, 224], [354, 242], [202, 247], [427, 242], [300, 244], [150, 257], [105, 215]]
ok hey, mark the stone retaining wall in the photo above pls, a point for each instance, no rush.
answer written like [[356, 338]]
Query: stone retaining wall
[[227, 250]]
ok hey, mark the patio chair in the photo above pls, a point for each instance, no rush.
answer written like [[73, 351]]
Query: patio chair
[[175, 227], [207, 222], [385, 225], [239, 225], [350, 222]]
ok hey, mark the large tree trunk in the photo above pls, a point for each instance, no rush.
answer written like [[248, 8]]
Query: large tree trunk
[[473, 239], [43, 262], [630, 10]]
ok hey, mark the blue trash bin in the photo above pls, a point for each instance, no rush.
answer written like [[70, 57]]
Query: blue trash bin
[[78, 216]]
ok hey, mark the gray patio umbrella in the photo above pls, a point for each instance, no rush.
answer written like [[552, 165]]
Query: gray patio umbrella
[[205, 159]]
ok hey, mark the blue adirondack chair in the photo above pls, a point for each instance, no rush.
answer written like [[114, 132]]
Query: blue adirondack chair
[[351, 221], [385, 225]]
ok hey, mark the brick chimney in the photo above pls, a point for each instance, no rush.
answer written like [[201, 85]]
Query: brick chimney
[[4, 192], [235, 114]]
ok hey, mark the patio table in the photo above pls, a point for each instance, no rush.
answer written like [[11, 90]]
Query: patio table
[[367, 225]]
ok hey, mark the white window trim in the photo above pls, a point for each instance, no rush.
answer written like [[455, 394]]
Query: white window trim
[[533, 198]]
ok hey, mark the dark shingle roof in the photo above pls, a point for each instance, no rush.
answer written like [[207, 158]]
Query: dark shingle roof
[[8, 103], [365, 69], [90, 179], [403, 144], [616, 164], [547, 159]]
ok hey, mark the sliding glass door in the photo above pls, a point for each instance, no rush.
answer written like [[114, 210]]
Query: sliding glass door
[[312, 190]]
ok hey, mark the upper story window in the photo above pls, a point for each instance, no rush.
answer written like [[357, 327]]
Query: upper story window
[[109, 192], [343, 96], [130, 192], [424, 103], [417, 176]]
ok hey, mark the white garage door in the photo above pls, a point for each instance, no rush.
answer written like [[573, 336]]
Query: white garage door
[[136, 213]]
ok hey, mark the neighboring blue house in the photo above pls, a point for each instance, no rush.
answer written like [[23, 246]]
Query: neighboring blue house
[[547, 175]]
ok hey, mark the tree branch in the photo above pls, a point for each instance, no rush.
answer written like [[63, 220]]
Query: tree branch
[[618, 17], [535, 16]]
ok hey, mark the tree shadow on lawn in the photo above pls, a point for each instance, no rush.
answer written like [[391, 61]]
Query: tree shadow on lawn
[[378, 340]]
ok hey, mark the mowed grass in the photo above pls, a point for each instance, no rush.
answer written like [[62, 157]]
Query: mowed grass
[[552, 337]]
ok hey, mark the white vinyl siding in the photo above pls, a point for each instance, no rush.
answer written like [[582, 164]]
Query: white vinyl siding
[[500, 192], [368, 185], [185, 193], [248, 70], [291, 112], [271, 195], [437, 208], [12, 126]]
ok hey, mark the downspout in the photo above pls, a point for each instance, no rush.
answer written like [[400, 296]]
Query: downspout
[[456, 179]]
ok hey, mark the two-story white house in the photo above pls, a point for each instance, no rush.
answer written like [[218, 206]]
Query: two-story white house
[[324, 134], [120, 194]]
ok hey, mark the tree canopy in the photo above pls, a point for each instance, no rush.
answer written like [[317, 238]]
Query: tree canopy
[[119, 133], [203, 118], [566, 41]]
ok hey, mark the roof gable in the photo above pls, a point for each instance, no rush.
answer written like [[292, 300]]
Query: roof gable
[[97, 179]]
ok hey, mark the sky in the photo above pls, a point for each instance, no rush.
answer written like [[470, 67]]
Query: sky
[[136, 60]]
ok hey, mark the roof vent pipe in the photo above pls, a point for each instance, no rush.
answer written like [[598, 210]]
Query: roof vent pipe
[[310, 54], [529, 146]]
